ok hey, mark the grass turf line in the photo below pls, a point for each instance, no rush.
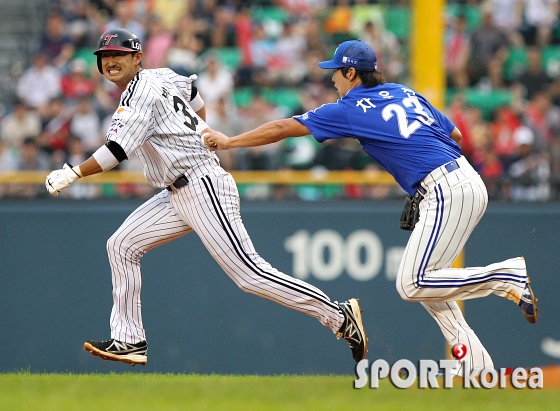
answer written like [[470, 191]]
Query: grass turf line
[[146, 391]]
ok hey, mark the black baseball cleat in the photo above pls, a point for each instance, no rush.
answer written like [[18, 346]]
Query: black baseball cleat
[[352, 329], [114, 350], [528, 303]]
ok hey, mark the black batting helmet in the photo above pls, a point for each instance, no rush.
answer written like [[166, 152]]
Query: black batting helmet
[[117, 39]]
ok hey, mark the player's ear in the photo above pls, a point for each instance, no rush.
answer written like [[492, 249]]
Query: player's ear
[[137, 57], [351, 74]]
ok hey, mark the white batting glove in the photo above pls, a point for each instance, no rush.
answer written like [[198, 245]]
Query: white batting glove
[[60, 179]]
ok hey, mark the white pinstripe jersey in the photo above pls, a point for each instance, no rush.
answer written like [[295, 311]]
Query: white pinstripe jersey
[[155, 121]]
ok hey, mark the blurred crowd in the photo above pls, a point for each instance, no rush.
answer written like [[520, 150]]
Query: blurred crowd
[[256, 62]]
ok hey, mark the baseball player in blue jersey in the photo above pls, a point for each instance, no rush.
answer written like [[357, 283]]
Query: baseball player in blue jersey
[[418, 145]]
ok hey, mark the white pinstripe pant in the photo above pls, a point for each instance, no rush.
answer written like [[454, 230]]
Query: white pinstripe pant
[[454, 203], [208, 205]]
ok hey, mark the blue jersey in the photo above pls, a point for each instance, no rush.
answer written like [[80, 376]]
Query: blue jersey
[[396, 126]]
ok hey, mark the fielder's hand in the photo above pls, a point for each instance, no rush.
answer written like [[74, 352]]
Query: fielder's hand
[[60, 179], [214, 140]]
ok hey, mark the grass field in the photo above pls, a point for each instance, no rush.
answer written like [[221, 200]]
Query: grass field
[[158, 392]]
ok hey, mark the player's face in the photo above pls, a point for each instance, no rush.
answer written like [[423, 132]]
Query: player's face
[[341, 83], [120, 66]]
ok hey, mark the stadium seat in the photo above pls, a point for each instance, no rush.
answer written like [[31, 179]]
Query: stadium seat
[[260, 14], [471, 13], [398, 21], [286, 97], [86, 53], [487, 102], [551, 60], [229, 56], [243, 96], [515, 63]]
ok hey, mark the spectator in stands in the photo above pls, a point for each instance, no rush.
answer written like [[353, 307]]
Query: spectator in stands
[[457, 47], [243, 34], [534, 79], [106, 98], [458, 113], [84, 28], [31, 158], [388, 59], [536, 117], [304, 7], [317, 40], [105, 7], [76, 82], [55, 43], [338, 22], [56, 128], [502, 131], [541, 16], [380, 191], [487, 43], [507, 16], [224, 117], [494, 79], [530, 172], [159, 40], [263, 51], [491, 170], [480, 136], [291, 47], [266, 157], [8, 159], [183, 55], [554, 152], [85, 125], [19, 124], [8, 162], [77, 155], [338, 154], [316, 80], [222, 31], [123, 17], [216, 81], [39, 84], [199, 21]]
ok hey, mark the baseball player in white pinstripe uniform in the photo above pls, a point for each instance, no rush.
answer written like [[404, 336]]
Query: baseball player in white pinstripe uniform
[[159, 118], [417, 144]]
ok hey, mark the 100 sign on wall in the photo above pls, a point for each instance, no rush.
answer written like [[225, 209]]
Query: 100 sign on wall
[[326, 254]]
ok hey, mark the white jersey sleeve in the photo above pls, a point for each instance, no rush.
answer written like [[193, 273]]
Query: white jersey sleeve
[[132, 122]]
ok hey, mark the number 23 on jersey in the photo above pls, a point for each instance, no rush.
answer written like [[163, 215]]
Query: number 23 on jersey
[[408, 106]]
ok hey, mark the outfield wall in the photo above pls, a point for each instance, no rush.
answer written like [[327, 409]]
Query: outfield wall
[[55, 289]]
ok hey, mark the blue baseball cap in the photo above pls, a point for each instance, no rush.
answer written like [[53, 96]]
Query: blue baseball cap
[[352, 53]]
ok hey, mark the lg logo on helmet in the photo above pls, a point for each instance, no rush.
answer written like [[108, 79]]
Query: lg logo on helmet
[[108, 38], [135, 45]]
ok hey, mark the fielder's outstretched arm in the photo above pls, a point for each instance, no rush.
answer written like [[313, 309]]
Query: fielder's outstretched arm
[[268, 133]]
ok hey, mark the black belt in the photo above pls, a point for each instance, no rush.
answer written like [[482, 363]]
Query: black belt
[[180, 182]]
